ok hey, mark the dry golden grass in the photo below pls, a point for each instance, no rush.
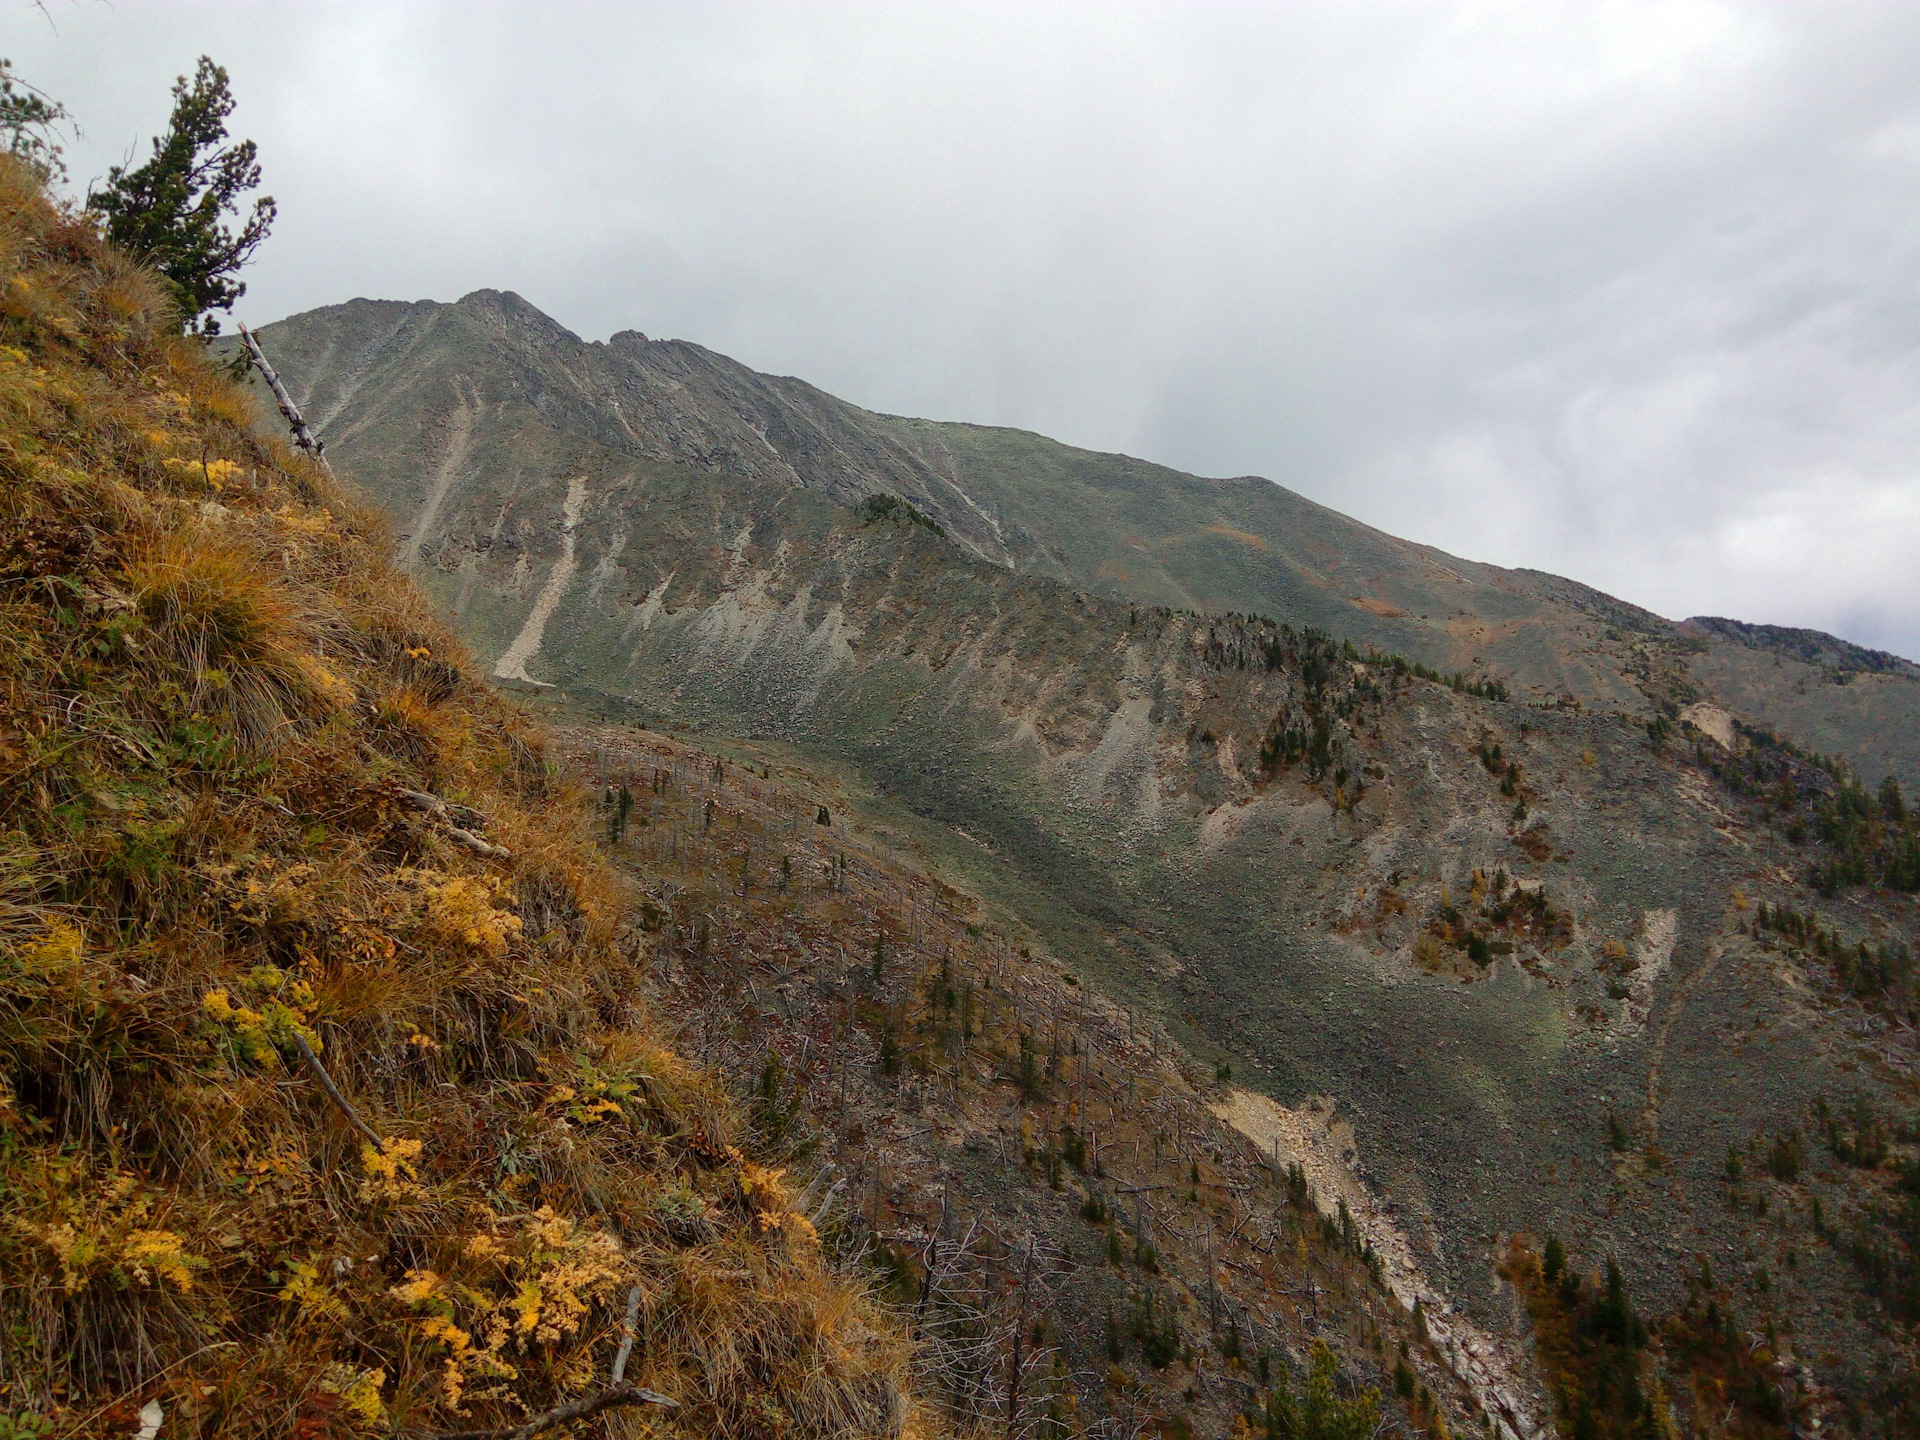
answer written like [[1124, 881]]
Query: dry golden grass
[[218, 709]]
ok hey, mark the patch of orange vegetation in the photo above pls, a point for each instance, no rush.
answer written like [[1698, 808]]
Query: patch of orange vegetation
[[1472, 628], [1110, 571], [1375, 607], [1245, 537]]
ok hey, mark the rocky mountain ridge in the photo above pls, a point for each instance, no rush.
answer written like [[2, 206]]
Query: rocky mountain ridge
[[425, 400]]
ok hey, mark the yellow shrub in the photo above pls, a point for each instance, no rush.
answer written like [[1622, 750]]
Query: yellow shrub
[[58, 952], [254, 1036], [359, 1390], [103, 1225], [461, 911], [536, 1278], [392, 1171], [309, 1292], [214, 472], [77, 1252], [157, 1254], [589, 1096]]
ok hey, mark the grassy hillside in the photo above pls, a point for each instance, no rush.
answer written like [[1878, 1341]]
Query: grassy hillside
[[327, 1101]]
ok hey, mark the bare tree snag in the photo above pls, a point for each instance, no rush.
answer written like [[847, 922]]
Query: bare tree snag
[[302, 435]]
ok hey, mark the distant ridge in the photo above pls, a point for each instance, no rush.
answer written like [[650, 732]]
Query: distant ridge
[[462, 417], [1815, 647]]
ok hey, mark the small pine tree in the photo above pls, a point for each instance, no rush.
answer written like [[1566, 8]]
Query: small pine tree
[[774, 1113], [1783, 1160], [1404, 1382], [171, 211], [1029, 1067], [1618, 1139], [1073, 1145], [1320, 1412], [29, 121], [1554, 1261]]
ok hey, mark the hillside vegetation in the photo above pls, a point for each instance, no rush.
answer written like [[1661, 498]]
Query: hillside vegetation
[[327, 1101], [1041, 1178]]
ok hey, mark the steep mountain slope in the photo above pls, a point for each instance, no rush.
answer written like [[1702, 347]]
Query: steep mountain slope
[[1038, 1175], [435, 406], [328, 1102], [1506, 953]]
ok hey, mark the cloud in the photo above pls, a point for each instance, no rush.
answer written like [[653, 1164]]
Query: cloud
[[1618, 291]]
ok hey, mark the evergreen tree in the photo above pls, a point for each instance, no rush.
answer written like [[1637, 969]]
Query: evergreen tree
[[29, 121], [1320, 1412], [171, 212]]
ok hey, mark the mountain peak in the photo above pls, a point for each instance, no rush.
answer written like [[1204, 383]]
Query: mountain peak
[[505, 307]]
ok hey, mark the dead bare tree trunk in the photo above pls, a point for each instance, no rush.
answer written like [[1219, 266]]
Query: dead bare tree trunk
[[302, 435], [1019, 1336]]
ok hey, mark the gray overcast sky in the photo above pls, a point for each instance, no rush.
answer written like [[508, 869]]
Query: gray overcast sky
[[1626, 292]]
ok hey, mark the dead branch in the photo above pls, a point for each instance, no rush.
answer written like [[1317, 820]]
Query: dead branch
[[461, 821], [826, 1201], [806, 1196], [612, 1397], [627, 1329], [319, 1073], [479, 847], [434, 804]]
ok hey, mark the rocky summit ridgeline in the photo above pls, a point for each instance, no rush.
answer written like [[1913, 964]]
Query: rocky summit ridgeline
[[461, 414], [1557, 917]]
